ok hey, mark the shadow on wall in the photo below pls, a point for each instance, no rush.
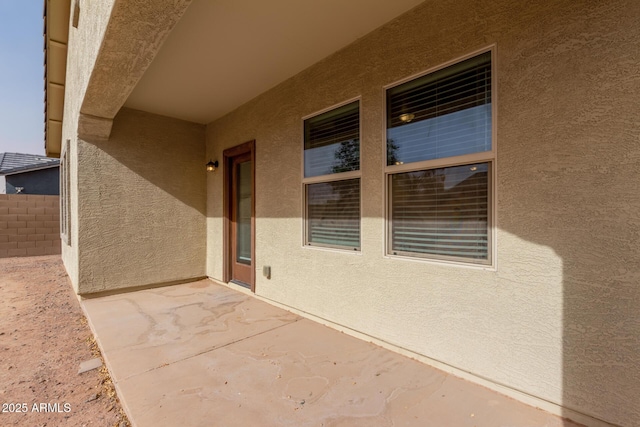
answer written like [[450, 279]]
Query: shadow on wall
[[142, 213], [167, 153], [589, 221], [567, 181], [578, 193], [600, 293], [579, 203]]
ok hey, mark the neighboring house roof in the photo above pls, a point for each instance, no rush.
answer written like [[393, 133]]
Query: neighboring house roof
[[11, 163]]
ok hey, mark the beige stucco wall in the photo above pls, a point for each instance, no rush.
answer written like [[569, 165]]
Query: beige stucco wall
[[84, 44], [142, 211], [137, 200], [558, 318]]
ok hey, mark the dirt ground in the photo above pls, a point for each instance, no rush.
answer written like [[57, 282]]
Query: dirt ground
[[43, 339]]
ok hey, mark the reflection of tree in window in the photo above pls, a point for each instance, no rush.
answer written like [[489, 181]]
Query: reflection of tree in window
[[392, 152], [347, 156], [332, 149]]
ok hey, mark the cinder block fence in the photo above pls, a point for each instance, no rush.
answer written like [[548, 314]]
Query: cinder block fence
[[29, 225]]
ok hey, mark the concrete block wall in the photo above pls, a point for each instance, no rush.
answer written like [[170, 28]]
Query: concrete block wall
[[29, 225]]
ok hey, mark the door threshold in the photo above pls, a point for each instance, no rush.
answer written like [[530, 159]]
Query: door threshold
[[240, 283]]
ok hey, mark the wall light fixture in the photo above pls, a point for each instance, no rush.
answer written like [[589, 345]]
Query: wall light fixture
[[211, 166]]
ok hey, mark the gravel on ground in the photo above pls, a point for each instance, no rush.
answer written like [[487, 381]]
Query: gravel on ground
[[44, 337]]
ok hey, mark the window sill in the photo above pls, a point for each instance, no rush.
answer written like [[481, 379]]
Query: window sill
[[442, 262], [332, 249]]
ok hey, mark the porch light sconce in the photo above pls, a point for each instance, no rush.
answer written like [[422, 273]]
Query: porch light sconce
[[211, 166]]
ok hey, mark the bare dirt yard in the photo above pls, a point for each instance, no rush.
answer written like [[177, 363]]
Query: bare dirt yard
[[43, 339]]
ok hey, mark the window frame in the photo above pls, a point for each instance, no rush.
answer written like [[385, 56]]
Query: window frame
[[65, 200], [489, 157], [328, 178]]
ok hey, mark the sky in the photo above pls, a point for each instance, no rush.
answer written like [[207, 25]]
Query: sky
[[21, 77]]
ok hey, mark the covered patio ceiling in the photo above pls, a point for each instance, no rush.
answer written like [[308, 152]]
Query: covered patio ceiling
[[223, 53], [198, 60]]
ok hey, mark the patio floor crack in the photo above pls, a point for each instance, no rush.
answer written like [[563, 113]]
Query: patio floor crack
[[164, 365]]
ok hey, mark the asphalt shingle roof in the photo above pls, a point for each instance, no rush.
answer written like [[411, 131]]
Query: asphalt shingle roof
[[18, 162]]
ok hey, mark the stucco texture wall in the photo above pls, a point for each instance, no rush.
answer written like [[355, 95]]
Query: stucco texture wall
[[142, 211], [558, 318], [83, 46]]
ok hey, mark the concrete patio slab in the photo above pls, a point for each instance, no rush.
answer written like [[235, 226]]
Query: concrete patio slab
[[201, 354], [144, 330]]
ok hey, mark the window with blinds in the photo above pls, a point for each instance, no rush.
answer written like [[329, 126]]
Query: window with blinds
[[439, 163], [333, 213], [332, 141], [65, 199], [441, 212], [332, 178]]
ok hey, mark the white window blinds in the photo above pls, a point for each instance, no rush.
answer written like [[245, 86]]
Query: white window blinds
[[443, 114], [441, 212], [332, 182], [438, 210]]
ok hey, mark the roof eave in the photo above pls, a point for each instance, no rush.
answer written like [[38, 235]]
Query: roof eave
[[56, 35]]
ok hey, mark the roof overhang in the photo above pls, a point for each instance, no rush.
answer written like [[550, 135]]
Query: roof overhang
[[223, 53], [134, 34], [56, 37], [197, 60]]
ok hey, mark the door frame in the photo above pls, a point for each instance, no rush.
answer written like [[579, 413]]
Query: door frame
[[228, 155]]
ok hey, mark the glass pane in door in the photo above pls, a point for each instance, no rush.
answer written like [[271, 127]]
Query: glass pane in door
[[243, 209]]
